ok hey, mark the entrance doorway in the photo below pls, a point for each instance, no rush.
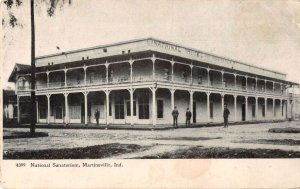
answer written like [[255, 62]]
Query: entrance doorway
[[194, 112], [243, 112], [82, 112]]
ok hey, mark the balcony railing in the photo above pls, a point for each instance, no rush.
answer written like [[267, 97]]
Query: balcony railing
[[146, 78]]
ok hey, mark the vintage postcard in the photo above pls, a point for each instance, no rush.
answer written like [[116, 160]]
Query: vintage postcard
[[150, 94]]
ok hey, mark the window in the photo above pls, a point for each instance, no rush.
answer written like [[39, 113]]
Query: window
[[105, 50], [119, 108], [282, 109], [199, 79], [128, 51], [160, 109], [92, 77], [211, 79], [123, 52], [43, 111], [144, 107], [128, 108], [58, 113], [225, 83], [211, 104], [263, 110]]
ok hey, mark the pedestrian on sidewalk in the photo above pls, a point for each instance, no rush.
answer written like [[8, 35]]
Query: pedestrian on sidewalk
[[97, 115], [175, 114], [226, 113], [188, 115]]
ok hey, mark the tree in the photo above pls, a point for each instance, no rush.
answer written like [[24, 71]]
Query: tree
[[13, 22]]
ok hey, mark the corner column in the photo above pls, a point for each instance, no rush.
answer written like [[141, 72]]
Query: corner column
[[172, 63], [131, 71], [191, 66], [208, 80], [47, 78], [84, 68], [106, 66], [235, 80], [65, 70], [153, 71]]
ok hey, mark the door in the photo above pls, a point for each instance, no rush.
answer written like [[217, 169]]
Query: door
[[243, 112], [194, 112]]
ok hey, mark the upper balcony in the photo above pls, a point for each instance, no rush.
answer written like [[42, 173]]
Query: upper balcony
[[150, 70]]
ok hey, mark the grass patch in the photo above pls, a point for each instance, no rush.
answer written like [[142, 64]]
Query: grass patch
[[15, 135], [284, 130], [290, 142], [187, 138], [225, 153], [90, 152]]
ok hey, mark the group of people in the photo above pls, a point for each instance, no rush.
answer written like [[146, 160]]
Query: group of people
[[188, 116], [175, 115]]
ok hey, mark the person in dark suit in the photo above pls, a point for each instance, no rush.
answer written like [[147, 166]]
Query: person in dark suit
[[97, 115], [175, 114], [188, 115], [226, 113]]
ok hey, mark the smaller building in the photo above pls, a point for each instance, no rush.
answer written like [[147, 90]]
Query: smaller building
[[10, 112]]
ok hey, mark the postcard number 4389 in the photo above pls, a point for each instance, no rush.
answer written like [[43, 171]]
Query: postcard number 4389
[[20, 164]]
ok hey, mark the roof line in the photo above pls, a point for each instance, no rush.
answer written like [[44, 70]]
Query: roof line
[[156, 39]]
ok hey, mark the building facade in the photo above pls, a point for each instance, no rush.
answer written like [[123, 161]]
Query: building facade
[[140, 82]]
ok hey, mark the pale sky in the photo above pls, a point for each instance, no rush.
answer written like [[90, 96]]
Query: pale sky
[[261, 33]]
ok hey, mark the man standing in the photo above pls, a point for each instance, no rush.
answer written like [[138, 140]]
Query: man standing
[[175, 114], [188, 115], [226, 113], [97, 115]]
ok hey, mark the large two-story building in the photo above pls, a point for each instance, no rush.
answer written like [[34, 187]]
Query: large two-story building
[[140, 82]]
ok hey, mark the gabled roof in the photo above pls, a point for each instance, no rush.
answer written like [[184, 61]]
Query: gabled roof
[[19, 68]]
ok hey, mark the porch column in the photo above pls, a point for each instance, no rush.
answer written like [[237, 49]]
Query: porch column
[[208, 106], [107, 107], [208, 81], [273, 107], [281, 91], [222, 79], [235, 109], [47, 79], [106, 66], [85, 107], [246, 107], [37, 111], [235, 80], [131, 106], [191, 66], [154, 105], [84, 69], [172, 98], [256, 108], [246, 82], [281, 108], [172, 63], [256, 84], [153, 71], [65, 70], [266, 104], [18, 108], [131, 73], [273, 87], [66, 108], [222, 103], [48, 115], [191, 100]]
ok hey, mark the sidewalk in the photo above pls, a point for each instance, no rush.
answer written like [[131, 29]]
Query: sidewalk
[[134, 127]]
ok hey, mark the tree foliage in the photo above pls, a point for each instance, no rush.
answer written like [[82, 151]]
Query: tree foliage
[[52, 5]]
